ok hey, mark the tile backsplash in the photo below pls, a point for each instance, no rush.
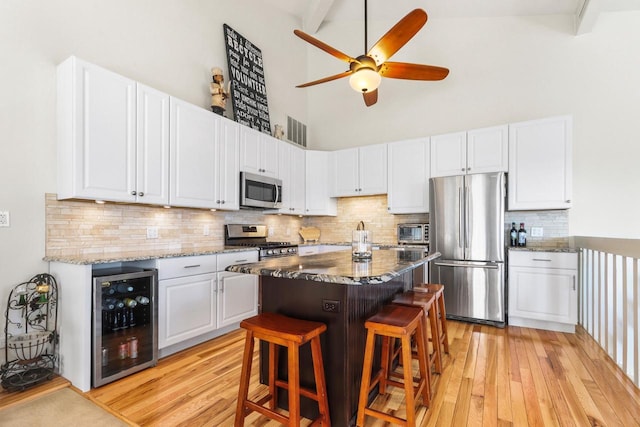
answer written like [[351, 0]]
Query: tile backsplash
[[554, 224], [84, 228], [370, 209]]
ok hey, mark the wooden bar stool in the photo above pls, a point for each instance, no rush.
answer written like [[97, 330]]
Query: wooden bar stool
[[394, 321], [427, 302], [438, 290], [279, 330]]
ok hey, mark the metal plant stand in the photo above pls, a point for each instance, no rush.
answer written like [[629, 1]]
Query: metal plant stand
[[31, 333]]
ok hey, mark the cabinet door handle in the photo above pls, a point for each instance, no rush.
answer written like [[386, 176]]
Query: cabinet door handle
[[574, 282], [192, 266], [541, 259], [133, 193], [222, 288], [141, 194]]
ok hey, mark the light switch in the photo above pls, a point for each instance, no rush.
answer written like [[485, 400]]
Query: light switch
[[4, 219], [152, 232], [536, 232]]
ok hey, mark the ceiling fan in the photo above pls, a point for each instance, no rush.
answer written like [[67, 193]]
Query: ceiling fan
[[367, 70]]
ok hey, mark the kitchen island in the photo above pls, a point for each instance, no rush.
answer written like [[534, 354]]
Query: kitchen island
[[333, 289]]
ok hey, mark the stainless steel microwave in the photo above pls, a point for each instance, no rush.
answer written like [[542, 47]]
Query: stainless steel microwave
[[258, 191], [413, 234]]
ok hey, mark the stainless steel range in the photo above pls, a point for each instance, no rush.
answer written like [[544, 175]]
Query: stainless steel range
[[256, 236]]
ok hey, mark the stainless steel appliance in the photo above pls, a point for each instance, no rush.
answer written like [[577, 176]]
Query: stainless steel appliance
[[413, 234], [125, 332], [257, 191], [467, 228], [256, 236]]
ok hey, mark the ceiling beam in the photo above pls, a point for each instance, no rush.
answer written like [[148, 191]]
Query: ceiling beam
[[588, 16], [315, 14]]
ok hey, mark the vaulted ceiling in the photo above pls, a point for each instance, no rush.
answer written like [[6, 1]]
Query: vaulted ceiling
[[313, 13]]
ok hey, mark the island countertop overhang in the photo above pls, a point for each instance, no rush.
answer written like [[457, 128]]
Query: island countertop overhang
[[339, 267]]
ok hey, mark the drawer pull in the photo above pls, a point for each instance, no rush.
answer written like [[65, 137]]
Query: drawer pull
[[541, 259], [192, 266], [241, 260]]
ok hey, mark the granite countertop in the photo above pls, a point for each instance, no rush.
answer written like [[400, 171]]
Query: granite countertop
[[565, 249], [104, 258], [339, 267]]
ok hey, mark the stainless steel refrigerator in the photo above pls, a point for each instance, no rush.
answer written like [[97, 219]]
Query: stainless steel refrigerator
[[467, 227]]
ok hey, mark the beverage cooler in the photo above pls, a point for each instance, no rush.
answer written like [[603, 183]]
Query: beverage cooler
[[125, 313]]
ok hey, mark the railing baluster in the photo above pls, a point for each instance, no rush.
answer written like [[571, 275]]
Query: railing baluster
[[610, 306]]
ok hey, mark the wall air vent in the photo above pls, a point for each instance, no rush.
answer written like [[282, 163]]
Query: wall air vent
[[296, 132]]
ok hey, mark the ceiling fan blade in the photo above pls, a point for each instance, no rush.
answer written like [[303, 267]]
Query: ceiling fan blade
[[404, 70], [322, 45], [370, 98], [397, 36], [326, 79]]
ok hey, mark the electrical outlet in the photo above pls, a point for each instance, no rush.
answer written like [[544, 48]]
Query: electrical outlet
[[4, 218], [206, 230], [270, 231], [152, 232], [537, 232], [331, 306]]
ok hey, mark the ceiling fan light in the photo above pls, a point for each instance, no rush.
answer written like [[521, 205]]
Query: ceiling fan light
[[365, 80]]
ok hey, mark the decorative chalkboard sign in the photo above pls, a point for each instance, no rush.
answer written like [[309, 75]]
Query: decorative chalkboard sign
[[248, 88]]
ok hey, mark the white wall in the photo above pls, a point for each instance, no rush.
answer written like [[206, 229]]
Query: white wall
[[167, 44], [505, 70]]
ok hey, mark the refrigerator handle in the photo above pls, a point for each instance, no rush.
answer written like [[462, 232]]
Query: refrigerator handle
[[466, 219], [460, 219], [450, 264]]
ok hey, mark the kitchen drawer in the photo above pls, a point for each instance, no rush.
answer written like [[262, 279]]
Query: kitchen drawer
[[543, 259], [186, 266], [227, 259], [308, 250]]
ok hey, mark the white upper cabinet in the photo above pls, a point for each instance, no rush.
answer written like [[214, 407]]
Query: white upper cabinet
[[152, 182], [96, 133], [258, 152], [475, 151], [360, 171], [193, 136], [228, 176], [292, 173], [317, 193], [449, 154], [540, 167], [408, 176], [488, 150]]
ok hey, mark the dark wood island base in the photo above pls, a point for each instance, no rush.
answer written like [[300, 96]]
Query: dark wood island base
[[342, 294], [343, 342]]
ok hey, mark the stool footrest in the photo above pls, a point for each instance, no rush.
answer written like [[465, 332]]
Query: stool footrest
[[385, 416], [306, 392], [253, 406]]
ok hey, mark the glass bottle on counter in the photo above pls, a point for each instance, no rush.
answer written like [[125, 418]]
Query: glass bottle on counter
[[513, 234], [522, 236]]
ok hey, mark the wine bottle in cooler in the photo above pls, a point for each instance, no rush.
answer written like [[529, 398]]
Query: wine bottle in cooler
[[124, 288]]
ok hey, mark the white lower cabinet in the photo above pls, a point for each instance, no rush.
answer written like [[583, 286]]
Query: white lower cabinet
[[197, 298], [186, 308], [543, 290], [237, 293], [237, 297], [320, 249]]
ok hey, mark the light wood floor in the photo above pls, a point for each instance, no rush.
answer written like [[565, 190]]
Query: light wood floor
[[493, 377]]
